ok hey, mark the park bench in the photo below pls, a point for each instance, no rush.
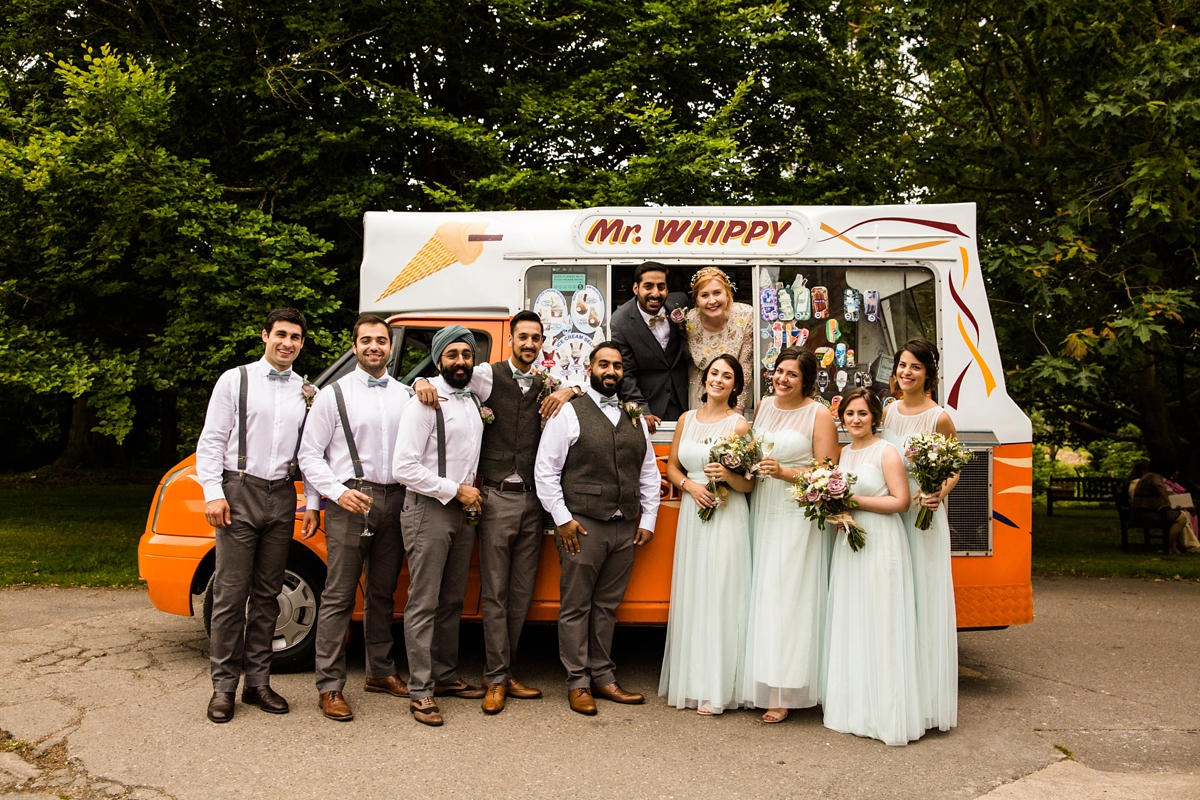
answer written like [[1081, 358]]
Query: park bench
[[1147, 513], [1082, 490]]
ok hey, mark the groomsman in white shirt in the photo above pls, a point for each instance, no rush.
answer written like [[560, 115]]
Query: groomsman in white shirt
[[346, 454], [437, 451], [596, 474], [245, 462]]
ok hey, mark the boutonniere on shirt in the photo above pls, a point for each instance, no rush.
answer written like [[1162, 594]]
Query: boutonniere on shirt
[[487, 415], [679, 316], [550, 385], [309, 390], [634, 411]]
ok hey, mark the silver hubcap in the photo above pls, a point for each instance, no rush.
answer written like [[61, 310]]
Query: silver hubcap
[[297, 612]]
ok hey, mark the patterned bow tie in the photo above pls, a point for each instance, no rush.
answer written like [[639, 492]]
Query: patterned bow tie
[[657, 318], [373, 381], [464, 393], [610, 401], [273, 375], [524, 377]]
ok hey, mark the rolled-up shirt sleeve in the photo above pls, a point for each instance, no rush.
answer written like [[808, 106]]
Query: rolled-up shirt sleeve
[[561, 432], [417, 429], [220, 420], [649, 484], [318, 433]]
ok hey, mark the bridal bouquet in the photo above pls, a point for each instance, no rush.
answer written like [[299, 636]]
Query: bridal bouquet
[[932, 460], [824, 494], [737, 454]]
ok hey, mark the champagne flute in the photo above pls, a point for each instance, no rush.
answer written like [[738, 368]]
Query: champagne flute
[[370, 493], [767, 446]]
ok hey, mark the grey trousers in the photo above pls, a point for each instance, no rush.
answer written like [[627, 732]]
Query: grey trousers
[[592, 586], [510, 542], [350, 555], [438, 542], [252, 553]]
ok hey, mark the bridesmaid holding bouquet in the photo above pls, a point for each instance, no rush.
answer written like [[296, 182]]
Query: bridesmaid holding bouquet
[[915, 377], [872, 684]]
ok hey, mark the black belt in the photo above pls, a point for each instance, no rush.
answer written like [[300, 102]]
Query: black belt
[[355, 483], [261, 483], [508, 486]]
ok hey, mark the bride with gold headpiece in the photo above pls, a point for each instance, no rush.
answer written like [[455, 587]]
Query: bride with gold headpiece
[[717, 325]]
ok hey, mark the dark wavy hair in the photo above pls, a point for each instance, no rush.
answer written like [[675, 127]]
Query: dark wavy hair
[[806, 363], [927, 353], [873, 406], [739, 378]]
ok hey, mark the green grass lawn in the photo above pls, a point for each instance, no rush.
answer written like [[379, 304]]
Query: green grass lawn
[[1087, 541], [80, 536], [88, 535]]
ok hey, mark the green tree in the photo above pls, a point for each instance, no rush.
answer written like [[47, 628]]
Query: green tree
[[121, 266], [1073, 125]]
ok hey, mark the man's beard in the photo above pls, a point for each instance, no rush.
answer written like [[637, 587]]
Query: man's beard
[[456, 379], [598, 385]]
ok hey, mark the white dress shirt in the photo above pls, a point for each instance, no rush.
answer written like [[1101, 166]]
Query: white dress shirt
[[274, 413], [415, 460], [561, 432], [481, 381], [374, 414], [661, 329]]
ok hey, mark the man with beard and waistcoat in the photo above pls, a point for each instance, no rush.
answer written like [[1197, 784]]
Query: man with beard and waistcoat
[[597, 476], [437, 452], [510, 528]]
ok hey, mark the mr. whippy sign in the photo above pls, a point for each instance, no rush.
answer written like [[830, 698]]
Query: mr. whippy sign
[[716, 231]]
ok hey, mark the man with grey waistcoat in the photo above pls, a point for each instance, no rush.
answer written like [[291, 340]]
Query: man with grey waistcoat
[[597, 476], [436, 456], [346, 453], [510, 528], [246, 464]]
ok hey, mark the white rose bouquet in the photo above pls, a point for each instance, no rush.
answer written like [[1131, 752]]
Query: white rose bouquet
[[932, 460]]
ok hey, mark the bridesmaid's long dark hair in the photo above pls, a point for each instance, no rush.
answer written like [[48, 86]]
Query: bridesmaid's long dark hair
[[739, 378]]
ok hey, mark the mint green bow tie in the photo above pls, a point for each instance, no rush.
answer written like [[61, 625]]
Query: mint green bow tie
[[463, 393], [610, 401], [373, 381], [524, 377], [273, 375]]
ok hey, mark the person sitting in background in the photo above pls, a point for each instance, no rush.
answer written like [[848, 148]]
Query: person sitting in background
[[1148, 490], [1177, 488]]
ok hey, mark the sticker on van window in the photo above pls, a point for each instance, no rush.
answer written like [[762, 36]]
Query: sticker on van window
[[852, 306], [820, 302], [872, 305], [551, 306], [787, 312], [587, 309], [571, 354]]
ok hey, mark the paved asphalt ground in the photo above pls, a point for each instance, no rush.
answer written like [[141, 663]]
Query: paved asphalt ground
[[109, 694]]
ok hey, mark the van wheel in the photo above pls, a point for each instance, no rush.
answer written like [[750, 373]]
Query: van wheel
[[295, 641]]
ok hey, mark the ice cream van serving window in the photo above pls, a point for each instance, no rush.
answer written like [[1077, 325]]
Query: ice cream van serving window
[[853, 318], [574, 304]]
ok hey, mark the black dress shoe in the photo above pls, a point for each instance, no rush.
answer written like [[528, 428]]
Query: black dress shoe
[[265, 698], [220, 707]]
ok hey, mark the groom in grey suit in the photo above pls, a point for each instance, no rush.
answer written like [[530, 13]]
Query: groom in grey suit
[[653, 346]]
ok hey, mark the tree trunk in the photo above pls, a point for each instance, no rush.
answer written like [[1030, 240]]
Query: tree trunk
[[1158, 428], [78, 436]]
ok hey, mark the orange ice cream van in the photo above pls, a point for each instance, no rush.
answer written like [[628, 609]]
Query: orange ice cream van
[[916, 267]]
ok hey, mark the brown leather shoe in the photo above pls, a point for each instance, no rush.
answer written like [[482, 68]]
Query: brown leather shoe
[[581, 701], [426, 712], [618, 695], [265, 698], [459, 688], [521, 691], [493, 701], [390, 685], [220, 707], [334, 706]]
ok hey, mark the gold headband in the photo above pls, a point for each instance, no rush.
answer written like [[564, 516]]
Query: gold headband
[[705, 274]]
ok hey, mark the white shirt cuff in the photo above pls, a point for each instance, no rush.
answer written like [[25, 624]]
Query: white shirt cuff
[[214, 492], [648, 522], [312, 502], [561, 515]]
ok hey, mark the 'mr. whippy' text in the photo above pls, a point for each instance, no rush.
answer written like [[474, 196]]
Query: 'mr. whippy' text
[[689, 232]]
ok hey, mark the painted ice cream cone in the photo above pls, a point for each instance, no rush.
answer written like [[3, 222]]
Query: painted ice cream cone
[[451, 242]]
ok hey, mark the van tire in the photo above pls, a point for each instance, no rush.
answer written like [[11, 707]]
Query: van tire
[[296, 629]]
